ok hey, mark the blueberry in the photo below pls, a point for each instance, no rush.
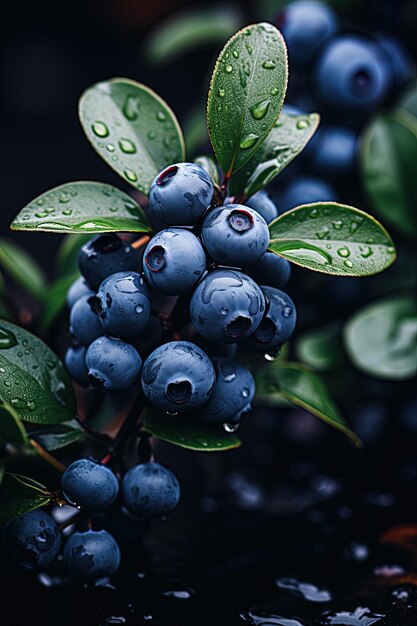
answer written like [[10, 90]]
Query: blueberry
[[227, 306], [306, 189], [271, 269], [91, 554], [235, 235], [174, 260], [32, 539], [78, 289], [277, 325], [401, 65], [306, 24], [333, 152], [84, 323], [180, 194], [232, 394], [352, 76], [149, 490], [113, 365], [75, 364], [178, 376], [262, 203], [122, 304], [90, 485], [104, 255]]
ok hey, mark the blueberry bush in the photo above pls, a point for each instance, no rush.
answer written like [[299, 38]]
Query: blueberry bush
[[178, 316]]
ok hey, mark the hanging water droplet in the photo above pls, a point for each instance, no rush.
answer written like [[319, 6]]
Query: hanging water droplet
[[127, 146], [268, 65], [248, 141], [337, 224], [302, 124], [231, 427], [348, 263], [100, 129], [260, 109], [343, 252], [229, 68], [224, 311], [130, 175], [221, 93]]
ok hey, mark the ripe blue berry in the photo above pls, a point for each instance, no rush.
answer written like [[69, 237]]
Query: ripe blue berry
[[104, 255], [333, 152], [33, 539], [78, 289], [84, 323], [277, 325], [174, 260], [122, 304], [306, 189], [180, 194], [271, 269], [149, 489], [235, 235], [90, 485], [178, 376], [76, 365], [227, 306], [261, 203], [232, 394], [401, 65], [352, 75], [91, 554], [306, 24], [113, 365]]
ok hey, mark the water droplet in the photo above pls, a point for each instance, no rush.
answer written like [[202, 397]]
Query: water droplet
[[337, 224], [139, 308], [344, 251], [235, 54], [127, 146], [131, 176], [391, 250], [224, 311], [7, 339], [40, 201], [313, 213], [287, 311], [365, 251], [113, 209], [302, 124], [274, 91], [161, 116], [245, 393], [110, 147], [219, 108], [260, 109], [131, 108], [151, 134], [30, 405], [323, 233], [221, 93], [8, 383], [268, 65], [348, 263], [229, 68], [67, 212], [100, 129], [64, 197], [41, 214], [231, 427], [248, 141]]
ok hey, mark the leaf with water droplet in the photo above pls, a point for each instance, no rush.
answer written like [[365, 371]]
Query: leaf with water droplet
[[131, 111], [282, 145], [381, 338], [388, 156], [45, 394], [22, 267], [92, 211], [188, 432], [58, 436], [339, 251], [248, 109], [303, 387], [11, 427], [20, 494]]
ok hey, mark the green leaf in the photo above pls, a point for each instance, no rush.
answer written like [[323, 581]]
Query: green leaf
[[387, 158], [246, 93], [132, 129], [11, 427], [408, 99], [187, 432], [20, 265], [288, 137], [173, 38], [332, 238], [59, 436], [66, 260], [209, 164], [83, 206], [320, 347], [304, 388], [33, 381], [55, 299], [381, 338], [19, 495]]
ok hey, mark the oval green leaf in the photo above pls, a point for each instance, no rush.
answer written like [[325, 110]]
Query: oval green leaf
[[22, 267], [320, 348], [304, 388], [187, 432], [33, 381], [132, 129], [332, 238], [381, 338], [83, 206], [19, 495], [387, 157], [11, 427], [246, 93], [288, 137]]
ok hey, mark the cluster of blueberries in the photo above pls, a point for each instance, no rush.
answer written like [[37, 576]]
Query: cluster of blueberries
[[212, 259], [346, 76]]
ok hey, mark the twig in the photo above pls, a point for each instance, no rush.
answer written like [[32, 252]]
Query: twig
[[140, 242], [46, 456]]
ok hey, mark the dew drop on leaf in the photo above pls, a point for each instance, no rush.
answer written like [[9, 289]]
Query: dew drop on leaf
[[337, 224], [302, 124], [260, 109], [268, 65], [127, 146], [100, 129], [248, 141], [161, 116], [229, 68], [7, 339], [130, 175], [343, 252], [348, 263]]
